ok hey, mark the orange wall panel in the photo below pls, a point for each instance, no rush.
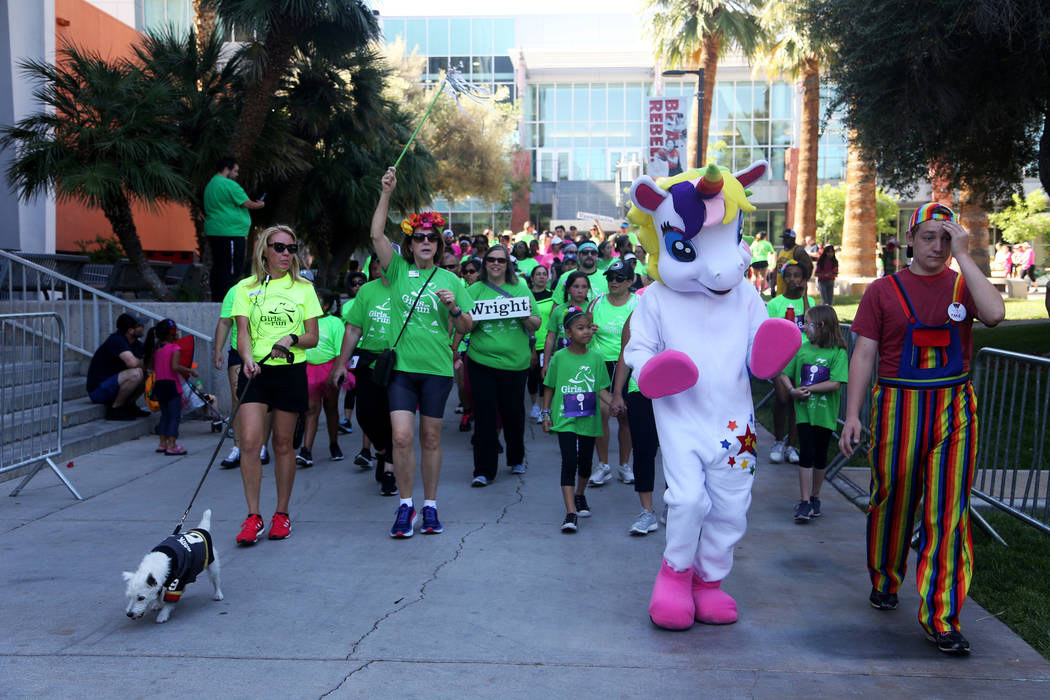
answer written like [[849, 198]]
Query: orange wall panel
[[169, 228]]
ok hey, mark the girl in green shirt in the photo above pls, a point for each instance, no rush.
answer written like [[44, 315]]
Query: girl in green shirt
[[575, 383], [578, 288]]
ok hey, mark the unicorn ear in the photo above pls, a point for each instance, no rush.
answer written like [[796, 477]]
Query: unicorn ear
[[646, 195], [752, 173]]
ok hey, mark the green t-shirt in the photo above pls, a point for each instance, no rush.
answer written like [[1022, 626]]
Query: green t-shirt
[[760, 251], [579, 378], [223, 213], [599, 285], [500, 343], [371, 313], [424, 347], [778, 306], [227, 312], [527, 265], [274, 310], [544, 305], [610, 321], [604, 264], [347, 307], [329, 340], [812, 365]]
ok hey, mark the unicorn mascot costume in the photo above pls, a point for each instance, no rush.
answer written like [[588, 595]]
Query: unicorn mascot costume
[[695, 334]]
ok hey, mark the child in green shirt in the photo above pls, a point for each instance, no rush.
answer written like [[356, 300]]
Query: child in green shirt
[[814, 380], [575, 382]]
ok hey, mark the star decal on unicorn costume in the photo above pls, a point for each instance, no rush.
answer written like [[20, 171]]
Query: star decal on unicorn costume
[[748, 442], [695, 334]]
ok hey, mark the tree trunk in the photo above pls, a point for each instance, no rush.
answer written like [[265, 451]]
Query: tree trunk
[[973, 218], [203, 249], [118, 214], [279, 47], [707, 59], [860, 241], [940, 191], [805, 220], [204, 19]]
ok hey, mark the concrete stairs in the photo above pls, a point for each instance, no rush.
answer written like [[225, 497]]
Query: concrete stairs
[[29, 409]]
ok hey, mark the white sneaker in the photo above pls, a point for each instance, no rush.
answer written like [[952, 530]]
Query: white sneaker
[[792, 454], [644, 524], [601, 475], [233, 459], [626, 473], [776, 453], [534, 414]]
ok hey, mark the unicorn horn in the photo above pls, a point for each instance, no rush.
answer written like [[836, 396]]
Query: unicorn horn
[[711, 183]]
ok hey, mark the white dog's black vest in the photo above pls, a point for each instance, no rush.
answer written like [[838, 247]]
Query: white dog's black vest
[[190, 554]]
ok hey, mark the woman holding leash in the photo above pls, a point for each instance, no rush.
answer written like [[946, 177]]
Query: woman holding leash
[[498, 359], [424, 301], [276, 314]]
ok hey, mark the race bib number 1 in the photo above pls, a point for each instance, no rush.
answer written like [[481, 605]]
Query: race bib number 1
[[814, 374], [580, 404]]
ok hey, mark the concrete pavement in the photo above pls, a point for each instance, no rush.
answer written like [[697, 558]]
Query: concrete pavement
[[501, 605]]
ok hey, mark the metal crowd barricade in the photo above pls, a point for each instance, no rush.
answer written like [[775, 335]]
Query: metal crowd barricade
[[1013, 405], [32, 372], [864, 445]]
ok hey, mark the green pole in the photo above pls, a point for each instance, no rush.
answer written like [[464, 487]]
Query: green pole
[[420, 126]]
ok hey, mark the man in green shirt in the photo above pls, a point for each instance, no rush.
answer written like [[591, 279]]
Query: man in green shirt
[[226, 225], [588, 262]]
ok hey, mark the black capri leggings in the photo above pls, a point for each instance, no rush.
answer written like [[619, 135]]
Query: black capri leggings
[[644, 440], [534, 383], [813, 441], [373, 408], [577, 453]]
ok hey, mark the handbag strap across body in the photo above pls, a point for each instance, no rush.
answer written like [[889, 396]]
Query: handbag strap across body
[[412, 310]]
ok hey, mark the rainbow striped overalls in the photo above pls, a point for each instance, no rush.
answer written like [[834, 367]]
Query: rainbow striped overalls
[[924, 437]]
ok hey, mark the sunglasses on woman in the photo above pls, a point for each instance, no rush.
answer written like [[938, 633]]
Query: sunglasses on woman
[[619, 278], [292, 248], [432, 237], [469, 271], [498, 261]]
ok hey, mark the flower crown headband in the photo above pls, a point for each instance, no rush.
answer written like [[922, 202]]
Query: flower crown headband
[[424, 220]]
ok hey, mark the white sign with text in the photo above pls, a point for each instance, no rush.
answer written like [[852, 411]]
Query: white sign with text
[[503, 307]]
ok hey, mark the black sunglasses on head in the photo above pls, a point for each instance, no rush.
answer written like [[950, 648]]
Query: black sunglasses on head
[[432, 237], [292, 248]]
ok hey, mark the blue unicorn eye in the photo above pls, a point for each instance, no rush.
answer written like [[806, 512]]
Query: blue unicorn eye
[[679, 248]]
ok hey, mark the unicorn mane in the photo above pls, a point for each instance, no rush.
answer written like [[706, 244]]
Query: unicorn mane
[[648, 237]]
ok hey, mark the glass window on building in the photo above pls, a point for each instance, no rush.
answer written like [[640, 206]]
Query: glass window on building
[[459, 37], [503, 36], [157, 15], [437, 37], [416, 36], [393, 30], [481, 37]]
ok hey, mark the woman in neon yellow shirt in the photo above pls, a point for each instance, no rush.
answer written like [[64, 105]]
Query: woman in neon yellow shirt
[[271, 308]]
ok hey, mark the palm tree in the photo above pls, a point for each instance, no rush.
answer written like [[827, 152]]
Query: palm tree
[[104, 137], [694, 34], [789, 49], [334, 27], [860, 240], [206, 90]]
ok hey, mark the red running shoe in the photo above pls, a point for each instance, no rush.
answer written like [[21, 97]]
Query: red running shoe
[[251, 529], [280, 526]]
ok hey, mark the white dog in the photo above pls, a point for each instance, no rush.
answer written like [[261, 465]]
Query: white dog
[[165, 571]]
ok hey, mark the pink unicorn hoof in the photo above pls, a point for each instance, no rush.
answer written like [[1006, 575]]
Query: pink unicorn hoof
[[671, 606], [776, 342], [668, 372], [713, 605]]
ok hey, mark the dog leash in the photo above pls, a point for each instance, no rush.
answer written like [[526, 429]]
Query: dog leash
[[222, 439]]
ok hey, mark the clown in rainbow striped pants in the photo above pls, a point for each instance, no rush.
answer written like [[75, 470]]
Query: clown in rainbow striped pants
[[924, 448], [913, 329]]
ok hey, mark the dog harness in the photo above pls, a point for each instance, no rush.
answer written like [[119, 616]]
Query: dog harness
[[190, 554], [932, 355]]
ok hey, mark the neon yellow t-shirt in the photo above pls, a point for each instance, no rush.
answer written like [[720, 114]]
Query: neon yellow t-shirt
[[274, 310], [329, 340]]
